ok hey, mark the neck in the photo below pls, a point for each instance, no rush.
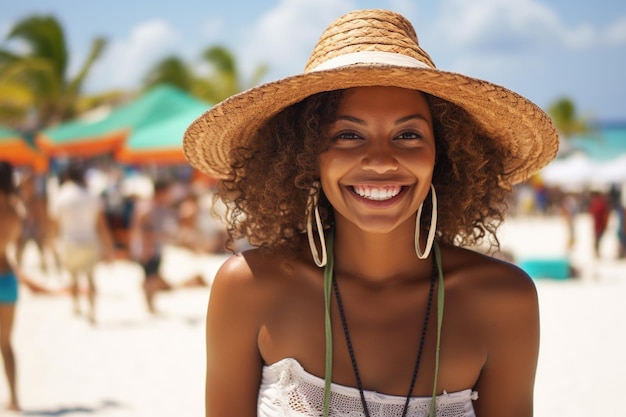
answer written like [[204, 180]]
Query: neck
[[378, 258]]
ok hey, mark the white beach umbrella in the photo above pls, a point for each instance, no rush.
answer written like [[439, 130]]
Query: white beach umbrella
[[612, 171], [572, 172]]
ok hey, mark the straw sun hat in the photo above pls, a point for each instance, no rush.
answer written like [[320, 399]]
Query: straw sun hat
[[375, 48]]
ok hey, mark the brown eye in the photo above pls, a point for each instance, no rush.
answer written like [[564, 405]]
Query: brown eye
[[347, 135], [409, 135]]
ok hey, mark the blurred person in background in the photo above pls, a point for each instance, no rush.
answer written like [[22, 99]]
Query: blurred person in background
[[599, 209], [35, 224], [10, 225], [617, 204], [621, 232], [84, 236], [153, 225], [199, 220], [201, 234], [568, 208], [116, 208]]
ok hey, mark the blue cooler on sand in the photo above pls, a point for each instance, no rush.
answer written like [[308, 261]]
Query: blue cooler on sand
[[554, 268]]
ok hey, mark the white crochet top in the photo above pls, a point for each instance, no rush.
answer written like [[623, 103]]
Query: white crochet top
[[287, 390]]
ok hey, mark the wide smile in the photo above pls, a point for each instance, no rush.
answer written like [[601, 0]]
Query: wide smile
[[377, 193]]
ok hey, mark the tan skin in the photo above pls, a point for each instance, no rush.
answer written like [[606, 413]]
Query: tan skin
[[11, 226], [264, 309]]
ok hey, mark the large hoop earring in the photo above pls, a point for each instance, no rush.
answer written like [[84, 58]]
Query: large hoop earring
[[431, 230], [312, 209]]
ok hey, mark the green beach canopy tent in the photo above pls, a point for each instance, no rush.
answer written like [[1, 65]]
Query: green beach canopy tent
[[160, 142], [86, 138], [16, 149]]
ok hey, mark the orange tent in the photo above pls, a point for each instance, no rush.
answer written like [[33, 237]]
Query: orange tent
[[16, 149]]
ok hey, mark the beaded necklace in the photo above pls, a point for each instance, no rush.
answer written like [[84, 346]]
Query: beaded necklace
[[419, 352], [328, 369]]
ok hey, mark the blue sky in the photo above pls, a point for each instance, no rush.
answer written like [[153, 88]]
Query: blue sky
[[543, 49]]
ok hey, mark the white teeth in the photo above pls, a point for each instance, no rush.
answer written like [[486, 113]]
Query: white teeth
[[377, 193]]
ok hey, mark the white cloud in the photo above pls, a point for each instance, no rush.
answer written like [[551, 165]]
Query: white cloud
[[284, 36], [503, 26], [615, 34], [503, 39], [126, 61]]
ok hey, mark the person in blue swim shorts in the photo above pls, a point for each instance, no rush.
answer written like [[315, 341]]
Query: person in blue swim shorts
[[10, 224]]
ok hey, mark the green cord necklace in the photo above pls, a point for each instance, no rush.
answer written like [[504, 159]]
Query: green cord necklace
[[328, 284]]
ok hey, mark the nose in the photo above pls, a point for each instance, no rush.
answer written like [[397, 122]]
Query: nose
[[380, 158]]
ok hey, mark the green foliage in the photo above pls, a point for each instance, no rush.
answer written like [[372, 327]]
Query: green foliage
[[171, 70], [45, 38], [566, 118], [222, 81], [35, 82]]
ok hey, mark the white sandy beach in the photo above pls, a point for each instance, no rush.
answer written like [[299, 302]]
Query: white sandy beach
[[132, 364]]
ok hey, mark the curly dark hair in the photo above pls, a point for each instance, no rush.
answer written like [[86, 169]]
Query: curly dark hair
[[266, 193]]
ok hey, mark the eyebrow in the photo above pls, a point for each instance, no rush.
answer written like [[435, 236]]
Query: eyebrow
[[399, 121]]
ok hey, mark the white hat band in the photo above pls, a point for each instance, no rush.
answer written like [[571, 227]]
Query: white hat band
[[370, 57]]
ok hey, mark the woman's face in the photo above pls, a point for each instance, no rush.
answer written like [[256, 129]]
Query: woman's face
[[379, 166]]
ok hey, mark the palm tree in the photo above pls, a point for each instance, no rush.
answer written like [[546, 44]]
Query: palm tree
[[173, 71], [222, 81], [566, 119], [225, 79], [15, 98], [37, 80]]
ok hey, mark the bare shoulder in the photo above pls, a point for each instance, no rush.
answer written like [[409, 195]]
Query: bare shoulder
[[486, 272], [494, 286], [250, 277], [496, 302], [249, 268], [241, 296], [234, 278]]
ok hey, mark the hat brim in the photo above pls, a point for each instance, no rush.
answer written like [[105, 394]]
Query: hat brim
[[505, 116]]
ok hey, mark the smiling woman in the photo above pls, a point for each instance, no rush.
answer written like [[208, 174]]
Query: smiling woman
[[378, 167], [360, 166]]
